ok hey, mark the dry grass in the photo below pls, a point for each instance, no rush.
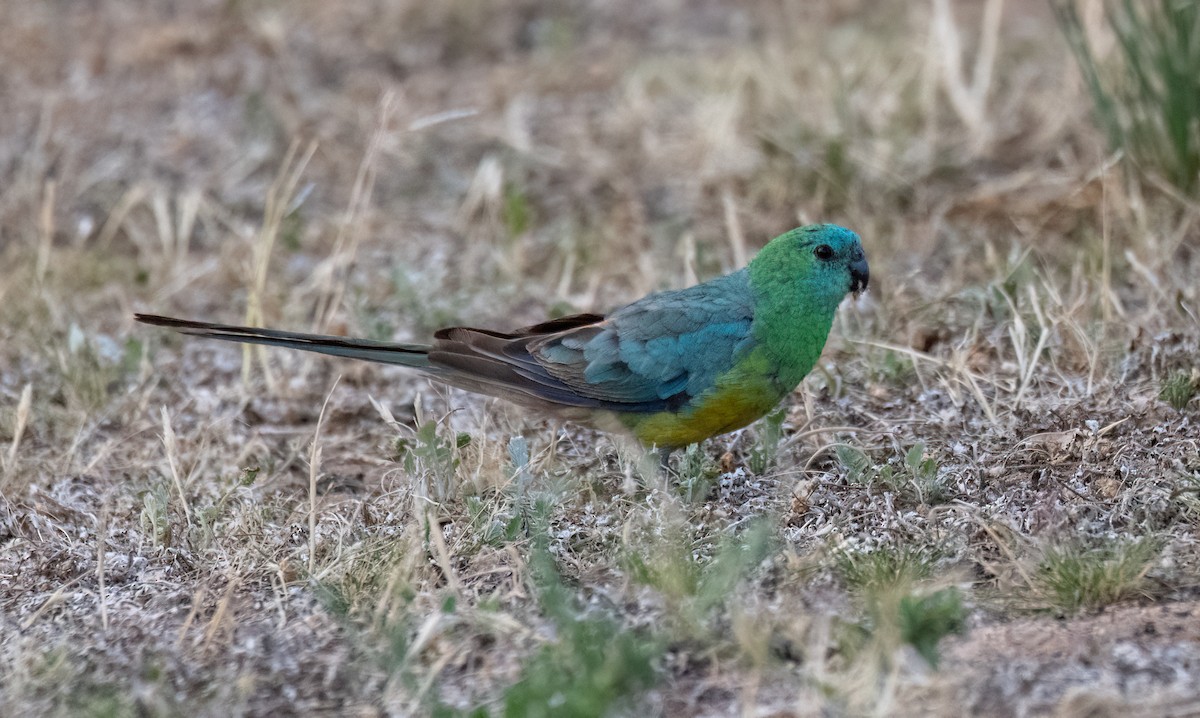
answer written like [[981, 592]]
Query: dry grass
[[960, 483]]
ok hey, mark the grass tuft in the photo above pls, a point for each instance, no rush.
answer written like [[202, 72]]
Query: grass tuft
[[903, 602], [1073, 578], [926, 619], [770, 430], [591, 668], [1146, 92], [1179, 388], [693, 588]]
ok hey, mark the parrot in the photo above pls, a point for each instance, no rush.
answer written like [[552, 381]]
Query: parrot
[[673, 368]]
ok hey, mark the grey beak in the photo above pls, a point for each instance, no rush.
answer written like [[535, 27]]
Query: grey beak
[[860, 275]]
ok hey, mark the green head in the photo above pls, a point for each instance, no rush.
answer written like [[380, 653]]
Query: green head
[[799, 279], [823, 261]]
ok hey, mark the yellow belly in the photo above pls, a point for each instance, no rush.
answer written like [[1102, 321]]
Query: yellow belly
[[673, 430], [737, 401]]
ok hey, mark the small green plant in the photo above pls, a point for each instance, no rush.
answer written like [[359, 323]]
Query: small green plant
[[859, 467], [885, 568], [376, 573], [1187, 492], [1179, 388], [424, 311], [1073, 578], [694, 589], [155, 518], [592, 668], [66, 684], [491, 523], [370, 590], [894, 368], [918, 475], [433, 454], [98, 700], [770, 431], [923, 474], [502, 518], [517, 212], [92, 368], [900, 604], [697, 474], [926, 619], [1147, 93], [519, 459], [209, 519]]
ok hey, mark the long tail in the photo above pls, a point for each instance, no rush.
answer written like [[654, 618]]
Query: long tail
[[410, 355]]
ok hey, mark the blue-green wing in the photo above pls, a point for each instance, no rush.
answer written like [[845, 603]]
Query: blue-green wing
[[657, 352]]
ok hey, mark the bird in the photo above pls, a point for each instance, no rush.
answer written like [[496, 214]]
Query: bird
[[673, 368]]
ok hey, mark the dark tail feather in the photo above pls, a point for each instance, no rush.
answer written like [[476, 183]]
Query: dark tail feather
[[410, 355]]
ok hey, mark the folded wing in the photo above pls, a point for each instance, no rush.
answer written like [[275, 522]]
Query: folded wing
[[653, 355]]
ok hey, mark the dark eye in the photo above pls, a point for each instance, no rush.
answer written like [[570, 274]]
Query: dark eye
[[823, 252]]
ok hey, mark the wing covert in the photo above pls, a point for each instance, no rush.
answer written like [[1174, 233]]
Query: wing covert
[[659, 351]]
